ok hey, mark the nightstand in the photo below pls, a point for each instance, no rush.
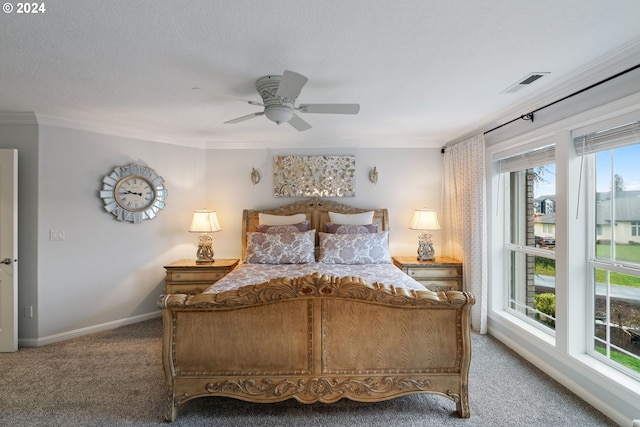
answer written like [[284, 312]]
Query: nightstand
[[443, 274], [187, 277]]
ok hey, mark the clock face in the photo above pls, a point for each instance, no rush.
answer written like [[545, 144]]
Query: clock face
[[133, 193]]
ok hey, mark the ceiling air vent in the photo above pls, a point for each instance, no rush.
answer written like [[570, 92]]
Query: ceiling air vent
[[524, 82]]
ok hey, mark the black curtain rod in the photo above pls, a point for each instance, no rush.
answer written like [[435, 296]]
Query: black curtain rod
[[529, 116]]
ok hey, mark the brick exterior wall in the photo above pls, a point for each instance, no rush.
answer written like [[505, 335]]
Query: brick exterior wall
[[531, 267]]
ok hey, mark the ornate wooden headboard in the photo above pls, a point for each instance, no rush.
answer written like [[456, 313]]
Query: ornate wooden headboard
[[316, 211]]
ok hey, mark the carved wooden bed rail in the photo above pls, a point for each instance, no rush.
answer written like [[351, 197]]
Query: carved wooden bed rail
[[316, 338]]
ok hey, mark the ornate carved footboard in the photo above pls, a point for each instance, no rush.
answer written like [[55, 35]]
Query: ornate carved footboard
[[316, 338]]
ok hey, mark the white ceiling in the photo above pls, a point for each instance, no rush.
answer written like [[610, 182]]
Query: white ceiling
[[425, 72]]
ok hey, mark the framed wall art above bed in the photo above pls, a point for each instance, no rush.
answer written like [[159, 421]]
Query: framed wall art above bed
[[314, 176]]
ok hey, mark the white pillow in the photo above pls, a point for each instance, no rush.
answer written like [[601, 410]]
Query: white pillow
[[266, 219], [364, 218]]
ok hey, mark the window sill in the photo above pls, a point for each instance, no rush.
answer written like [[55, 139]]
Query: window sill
[[593, 365], [506, 318]]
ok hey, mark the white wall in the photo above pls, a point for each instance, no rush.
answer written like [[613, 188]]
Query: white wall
[[408, 178], [105, 273], [105, 270]]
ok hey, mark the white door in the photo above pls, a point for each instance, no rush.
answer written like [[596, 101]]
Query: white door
[[8, 250]]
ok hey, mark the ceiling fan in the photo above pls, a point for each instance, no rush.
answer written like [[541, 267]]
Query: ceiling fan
[[279, 94]]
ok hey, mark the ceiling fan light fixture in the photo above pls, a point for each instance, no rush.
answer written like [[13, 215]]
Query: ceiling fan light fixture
[[279, 94], [278, 113]]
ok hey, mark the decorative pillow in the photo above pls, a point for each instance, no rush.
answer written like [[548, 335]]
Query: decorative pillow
[[293, 228], [330, 227], [268, 219], [371, 248], [363, 218], [280, 248]]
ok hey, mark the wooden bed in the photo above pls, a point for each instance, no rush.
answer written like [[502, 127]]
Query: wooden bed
[[316, 338]]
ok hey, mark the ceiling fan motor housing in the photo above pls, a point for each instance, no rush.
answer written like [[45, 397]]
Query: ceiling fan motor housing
[[279, 110]]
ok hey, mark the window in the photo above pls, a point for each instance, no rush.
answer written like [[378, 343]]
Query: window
[[530, 245], [614, 260]]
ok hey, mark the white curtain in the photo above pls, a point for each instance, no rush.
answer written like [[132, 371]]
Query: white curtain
[[464, 219]]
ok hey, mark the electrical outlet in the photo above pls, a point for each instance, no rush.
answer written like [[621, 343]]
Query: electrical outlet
[[56, 234], [28, 311]]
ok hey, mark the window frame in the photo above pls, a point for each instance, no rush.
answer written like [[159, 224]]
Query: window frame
[[610, 265], [511, 249], [534, 153], [565, 358]]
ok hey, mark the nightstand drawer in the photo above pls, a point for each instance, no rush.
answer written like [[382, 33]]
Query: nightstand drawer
[[441, 285], [187, 277], [435, 273], [441, 274], [195, 276]]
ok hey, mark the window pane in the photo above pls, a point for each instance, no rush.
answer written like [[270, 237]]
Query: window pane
[[533, 207], [532, 201], [617, 317], [618, 204], [532, 293], [617, 250]]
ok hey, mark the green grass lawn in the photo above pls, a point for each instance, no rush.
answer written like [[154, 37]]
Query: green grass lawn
[[623, 359], [623, 252]]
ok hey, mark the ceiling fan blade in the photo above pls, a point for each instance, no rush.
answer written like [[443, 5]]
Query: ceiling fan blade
[[290, 85], [298, 123], [256, 103], [330, 108], [247, 117]]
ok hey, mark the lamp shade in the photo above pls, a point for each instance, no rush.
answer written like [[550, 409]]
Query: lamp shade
[[425, 219], [204, 221]]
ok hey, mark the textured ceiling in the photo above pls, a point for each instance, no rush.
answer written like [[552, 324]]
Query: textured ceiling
[[424, 72]]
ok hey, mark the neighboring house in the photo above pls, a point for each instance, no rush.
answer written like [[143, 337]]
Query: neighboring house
[[627, 212], [627, 208], [545, 225]]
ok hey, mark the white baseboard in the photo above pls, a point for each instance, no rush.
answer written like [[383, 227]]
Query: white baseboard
[[36, 342]]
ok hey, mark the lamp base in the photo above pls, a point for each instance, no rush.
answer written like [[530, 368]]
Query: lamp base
[[204, 254], [426, 252]]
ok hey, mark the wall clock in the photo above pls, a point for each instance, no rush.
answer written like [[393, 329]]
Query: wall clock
[[133, 193]]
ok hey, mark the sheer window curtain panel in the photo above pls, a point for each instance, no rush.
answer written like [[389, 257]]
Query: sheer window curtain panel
[[464, 219]]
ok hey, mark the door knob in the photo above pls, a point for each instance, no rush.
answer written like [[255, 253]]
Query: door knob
[[6, 261]]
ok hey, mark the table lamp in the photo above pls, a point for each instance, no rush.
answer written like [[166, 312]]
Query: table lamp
[[204, 221], [425, 220]]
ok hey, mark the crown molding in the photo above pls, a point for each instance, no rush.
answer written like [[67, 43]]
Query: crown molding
[[118, 131], [603, 68], [616, 61], [18, 118]]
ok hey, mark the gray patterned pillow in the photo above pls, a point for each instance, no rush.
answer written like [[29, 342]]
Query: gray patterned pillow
[[330, 227], [371, 248], [280, 248]]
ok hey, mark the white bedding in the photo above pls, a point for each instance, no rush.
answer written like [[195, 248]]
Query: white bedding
[[252, 274]]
